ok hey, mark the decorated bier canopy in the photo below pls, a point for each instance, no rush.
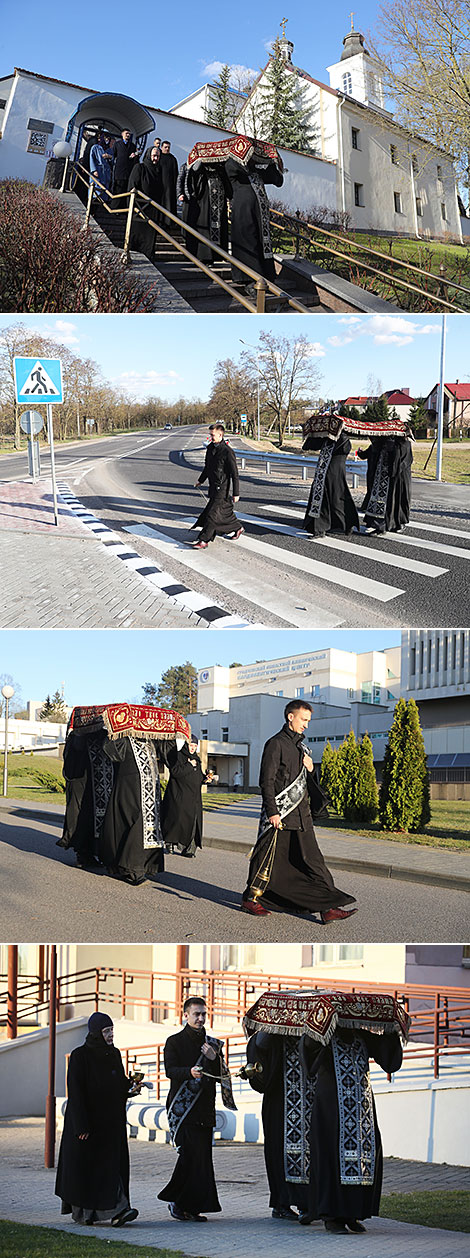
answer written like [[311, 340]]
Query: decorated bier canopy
[[331, 424], [240, 147], [318, 1014], [123, 719]]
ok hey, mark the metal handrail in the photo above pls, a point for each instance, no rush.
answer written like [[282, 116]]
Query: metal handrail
[[261, 283], [300, 226]]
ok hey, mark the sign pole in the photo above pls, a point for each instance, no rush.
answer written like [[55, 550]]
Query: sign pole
[[440, 410], [50, 433]]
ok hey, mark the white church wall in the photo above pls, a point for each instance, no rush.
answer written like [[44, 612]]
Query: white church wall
[[45, 100]]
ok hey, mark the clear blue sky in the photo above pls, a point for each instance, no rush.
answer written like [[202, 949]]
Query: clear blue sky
[[160, 54], [102, 666], [173, 356]]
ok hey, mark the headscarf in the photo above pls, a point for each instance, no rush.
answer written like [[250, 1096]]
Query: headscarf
[[96, 1024]]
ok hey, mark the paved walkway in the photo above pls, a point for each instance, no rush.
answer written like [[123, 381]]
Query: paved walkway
[[234, 829], [245, 1228], [71, 582]]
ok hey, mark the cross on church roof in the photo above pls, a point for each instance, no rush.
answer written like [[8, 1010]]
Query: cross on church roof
[[283, 23], [352, 20]]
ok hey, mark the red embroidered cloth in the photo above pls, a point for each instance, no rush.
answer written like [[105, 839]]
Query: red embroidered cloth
[[120, 719], [319, 1013], [332, 425], [240, 147]]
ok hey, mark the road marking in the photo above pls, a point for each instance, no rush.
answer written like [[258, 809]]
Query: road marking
[[348, 547], [150, 573], [262, 594], [336, 576], [438, 548]]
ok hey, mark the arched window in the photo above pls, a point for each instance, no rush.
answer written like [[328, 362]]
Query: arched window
[[347, 83]]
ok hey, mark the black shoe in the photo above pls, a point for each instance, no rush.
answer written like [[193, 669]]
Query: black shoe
[[306, 1218], [334, 1225], [126, 1216], [354, 1225], [196, 1218], [284, 1212], [176, 1213]]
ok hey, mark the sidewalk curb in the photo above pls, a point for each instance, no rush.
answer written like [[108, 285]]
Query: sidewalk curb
[[377, 869]]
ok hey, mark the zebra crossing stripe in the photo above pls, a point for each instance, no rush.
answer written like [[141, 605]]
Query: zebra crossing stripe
[[150, 573]]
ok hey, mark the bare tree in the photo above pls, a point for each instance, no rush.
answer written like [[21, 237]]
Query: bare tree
[[424, 50], [288, 375]]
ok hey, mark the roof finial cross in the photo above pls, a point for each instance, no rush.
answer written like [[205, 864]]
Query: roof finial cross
[[283, 23], [352, 20]]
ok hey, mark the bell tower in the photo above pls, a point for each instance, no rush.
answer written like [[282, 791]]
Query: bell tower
[[356, 74]]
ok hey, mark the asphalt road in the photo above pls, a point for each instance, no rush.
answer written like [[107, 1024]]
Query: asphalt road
[[275, 575], [44, 896]]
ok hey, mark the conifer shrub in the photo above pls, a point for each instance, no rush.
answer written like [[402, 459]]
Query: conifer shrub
[[367, 796], [351, 762], [49, 263], [404, 800], [327, 768]]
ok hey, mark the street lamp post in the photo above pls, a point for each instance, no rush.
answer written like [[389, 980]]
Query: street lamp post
[[258, 427], [7, 692]]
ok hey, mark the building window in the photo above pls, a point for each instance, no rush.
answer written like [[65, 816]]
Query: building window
[[443, 211], [203, 733], [437, 653], [376, 694], [355, 134], [347, 83], [413, 661], [439, 173], [280, 694], [414, 164], [315, 692], [359, 194], [350, 692], [366, 692], [333, 954], [397, 202], [394, 155], [419, 207], [224, 735], [299, 692]]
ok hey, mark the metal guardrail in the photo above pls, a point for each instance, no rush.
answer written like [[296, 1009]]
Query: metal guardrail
[[312, 234], [261, 284], [356, 469]]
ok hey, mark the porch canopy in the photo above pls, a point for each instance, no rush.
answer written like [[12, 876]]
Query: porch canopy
[[115, 112]]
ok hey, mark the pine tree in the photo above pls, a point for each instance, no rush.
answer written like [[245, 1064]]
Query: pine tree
[[283, 113], [223, 107], [351, 764], [367, 800], [419, 418], [177, 689], [53, 709], [404, 792], [44, 713]]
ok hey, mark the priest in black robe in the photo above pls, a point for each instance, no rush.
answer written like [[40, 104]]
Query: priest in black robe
[[287, 871], [345, 1143], [93, 1167], [387, 503], [190, 1057], [125, 157], [287, 1099], [220, 469], [202, 191], [331, 507], [169, 174], [181, 812], [132, 842], [88, 785], [250, 232], [146, 176]]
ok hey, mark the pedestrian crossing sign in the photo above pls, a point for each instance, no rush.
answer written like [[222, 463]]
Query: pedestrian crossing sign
[[38, 378]]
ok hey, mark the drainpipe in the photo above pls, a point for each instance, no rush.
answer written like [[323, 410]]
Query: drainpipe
[[340, 137], [413, 193]]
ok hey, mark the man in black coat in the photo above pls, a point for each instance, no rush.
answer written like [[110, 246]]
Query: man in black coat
[[125, 157], [190, 1056], [93, 1168], [220, 469], [287, 871], [169, 173]]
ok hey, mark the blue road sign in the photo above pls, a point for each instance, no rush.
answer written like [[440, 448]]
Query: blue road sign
[[38, 379]]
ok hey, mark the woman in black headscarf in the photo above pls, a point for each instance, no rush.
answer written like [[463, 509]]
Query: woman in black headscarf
[[181, 812], [93, 1168], [146, 177], [250, 233]]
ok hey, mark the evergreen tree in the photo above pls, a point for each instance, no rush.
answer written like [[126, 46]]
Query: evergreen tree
[[54, 709], [377, 410], [327, 768], [337, 779], [177, 689], [419, 418], [223, 107], [404, 792], [351, 762], [283, 113], [44, 713], [367, 800]]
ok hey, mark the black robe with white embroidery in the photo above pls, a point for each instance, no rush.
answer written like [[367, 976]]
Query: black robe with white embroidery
[[392, 509], [338, 512], [329, 1198], [220, 469], [250, 234], [181, 813], [268, 1050], [192, 1185], [132, 843]]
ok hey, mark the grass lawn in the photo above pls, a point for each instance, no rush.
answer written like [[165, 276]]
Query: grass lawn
[[424, 253], [449, 827], [449, 1210], [18, 1240], [221, 799], [35, 777]]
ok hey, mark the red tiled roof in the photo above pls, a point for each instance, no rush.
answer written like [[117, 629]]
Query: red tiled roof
[[459, 391], [398, 398]]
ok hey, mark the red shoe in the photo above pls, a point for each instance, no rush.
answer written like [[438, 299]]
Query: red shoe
[[336, 915], [254, 907], [200, 545], [237, 534]]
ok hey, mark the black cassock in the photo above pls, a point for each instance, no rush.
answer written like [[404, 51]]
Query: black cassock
[[93, 1174], [388, 498], [88, 785], [181, 813], [123, 164], [220, 469], [169, 174], [285, 1110], [346, 1149], [205, 190], [287, 870], [132, 843], [146, 177], [192, 1185], [330, 508], [250, 233]]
